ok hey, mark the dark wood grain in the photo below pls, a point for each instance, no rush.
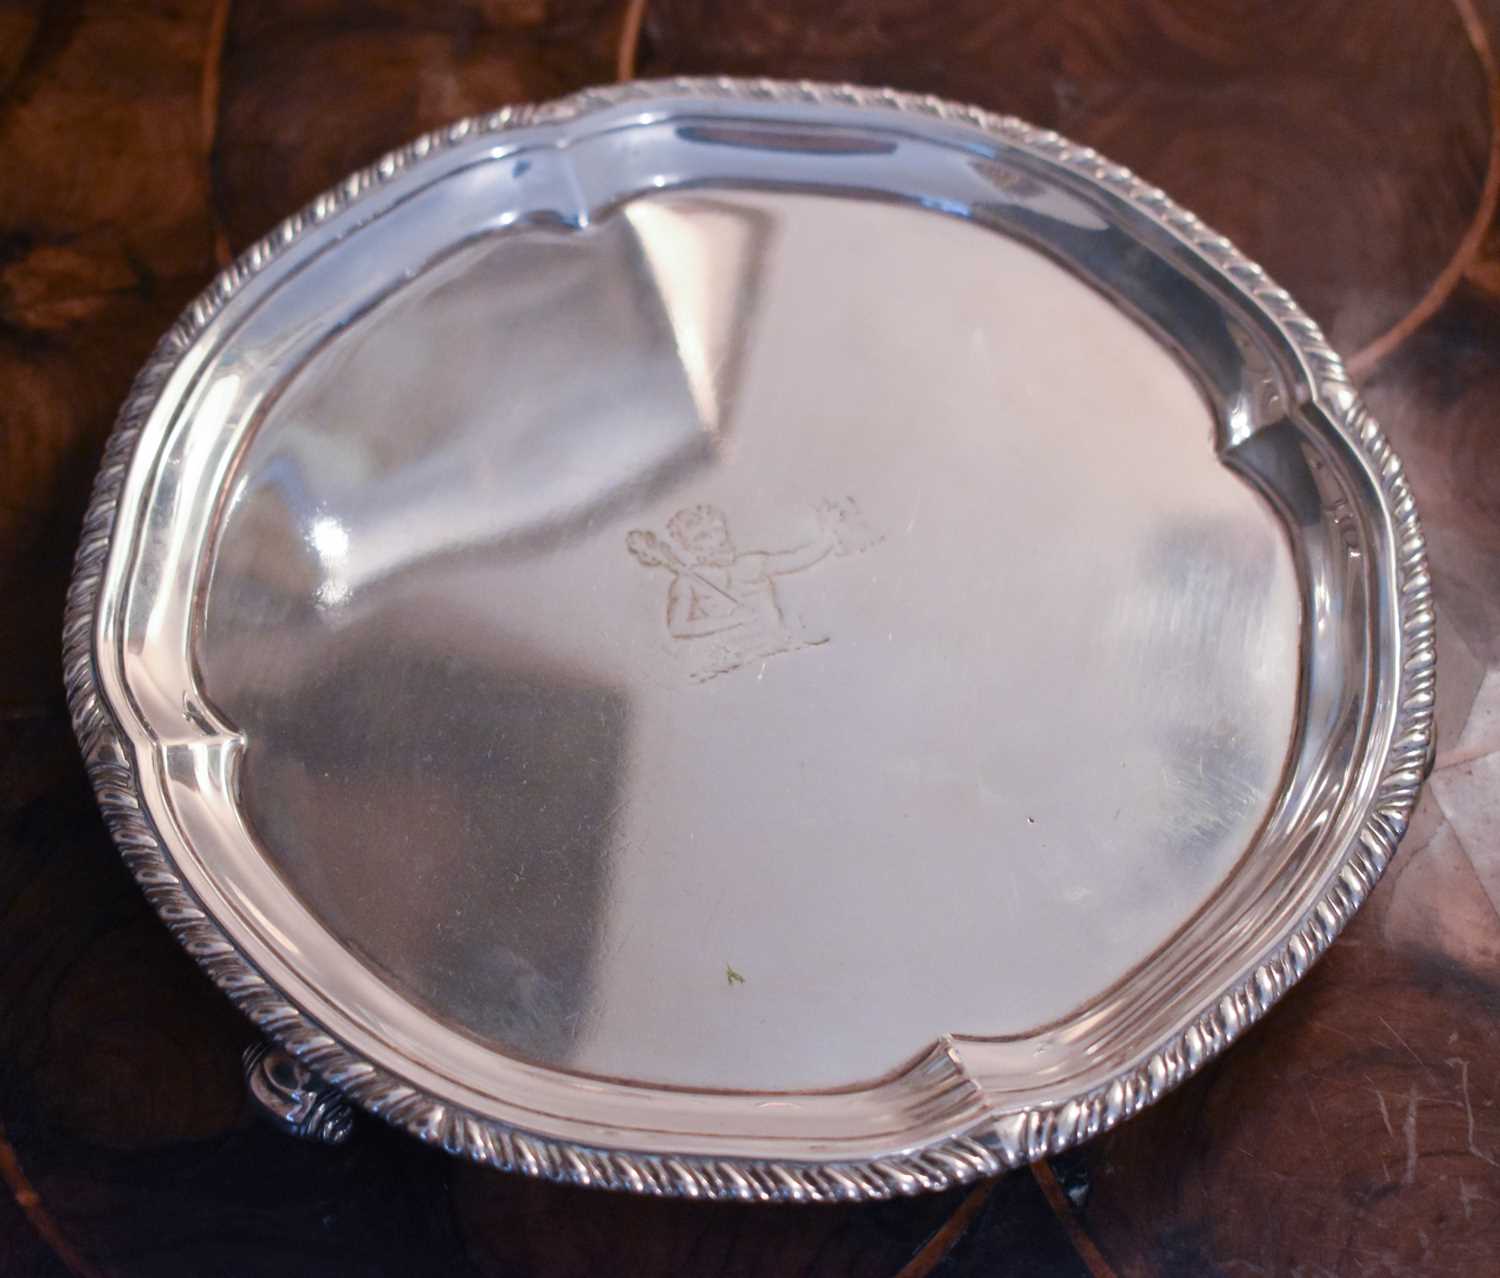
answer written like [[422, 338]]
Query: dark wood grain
[[1347, 144], [311, 91], [103, 239]]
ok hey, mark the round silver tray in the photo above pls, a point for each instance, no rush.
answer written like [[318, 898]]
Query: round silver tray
[[751, 640]]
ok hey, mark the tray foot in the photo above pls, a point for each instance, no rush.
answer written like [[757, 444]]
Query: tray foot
[[294, 1098]]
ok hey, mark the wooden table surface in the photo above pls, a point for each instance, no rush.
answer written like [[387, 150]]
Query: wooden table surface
[[1348, 145]]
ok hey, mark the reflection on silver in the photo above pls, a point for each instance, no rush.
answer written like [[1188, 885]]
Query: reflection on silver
[[661, 625]]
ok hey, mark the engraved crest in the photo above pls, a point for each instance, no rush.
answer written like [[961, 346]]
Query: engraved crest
[[722, 602]]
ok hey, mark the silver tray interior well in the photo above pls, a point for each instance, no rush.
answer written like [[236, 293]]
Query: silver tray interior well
[[749, 640]]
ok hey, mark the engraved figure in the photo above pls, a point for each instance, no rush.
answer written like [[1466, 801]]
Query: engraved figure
[[722, 601]]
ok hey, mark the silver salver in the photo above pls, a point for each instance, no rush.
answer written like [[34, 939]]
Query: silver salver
[[749, 640]]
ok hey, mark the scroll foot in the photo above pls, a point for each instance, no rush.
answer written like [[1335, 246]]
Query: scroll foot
[[294, 1098]]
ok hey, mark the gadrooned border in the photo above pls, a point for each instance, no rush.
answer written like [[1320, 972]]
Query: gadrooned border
[[994, 1145]]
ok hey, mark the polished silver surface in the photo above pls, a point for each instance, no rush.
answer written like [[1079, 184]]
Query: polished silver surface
[[548, 738], [751, 640]]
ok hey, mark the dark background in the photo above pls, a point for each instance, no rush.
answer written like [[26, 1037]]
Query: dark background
[[1349, 145]]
